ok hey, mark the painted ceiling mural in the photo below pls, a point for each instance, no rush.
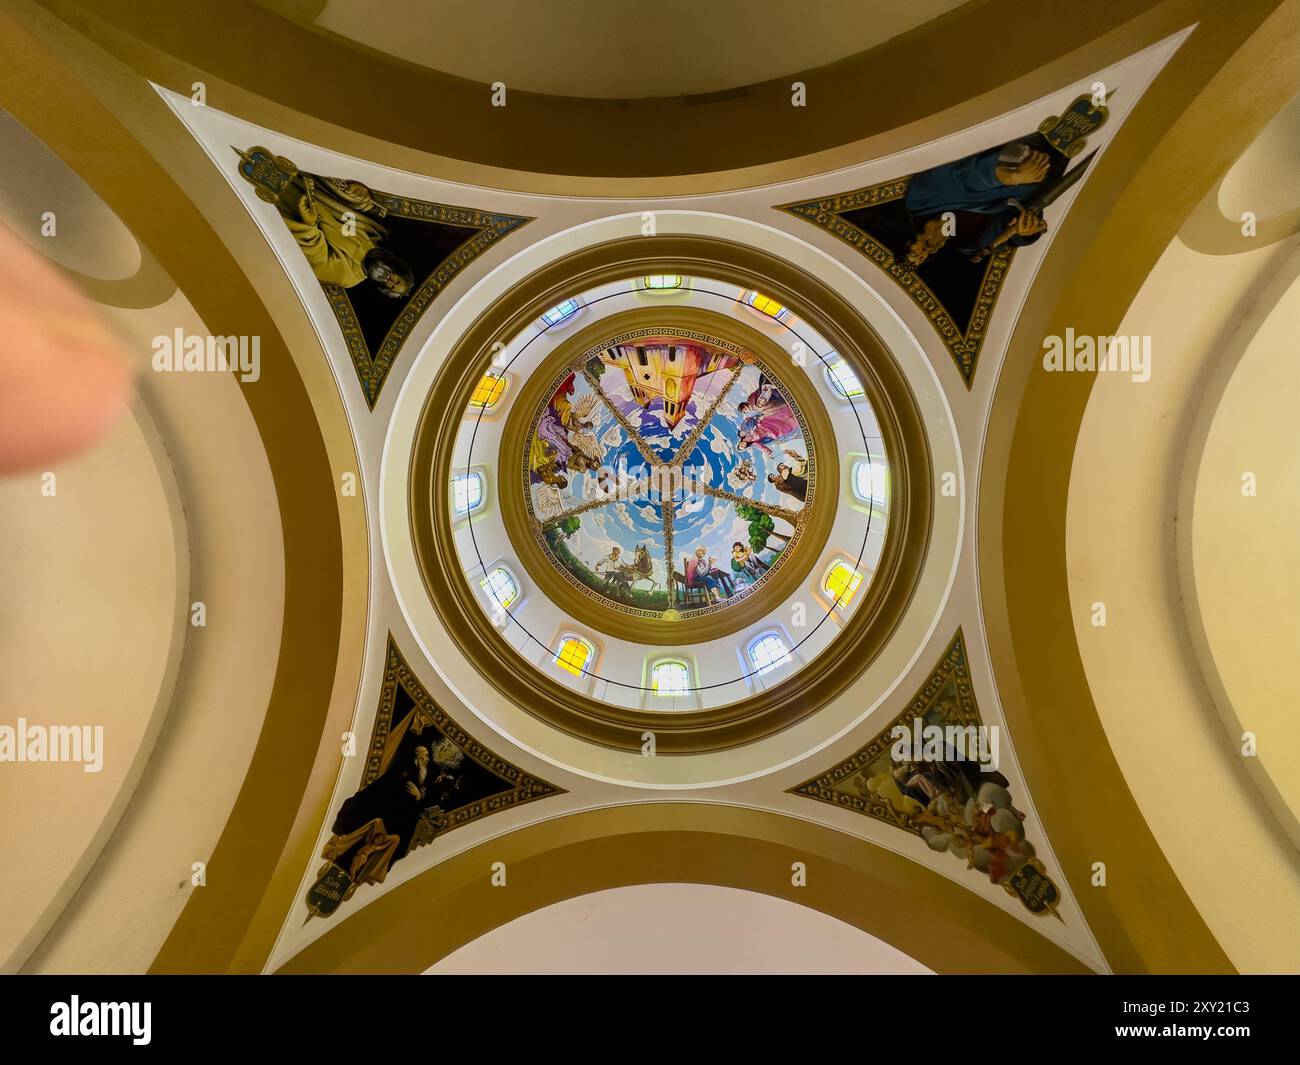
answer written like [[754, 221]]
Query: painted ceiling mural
[[424, 776], [933, 772], [672, 473], [668, 473], [947, 235], [381, 259]]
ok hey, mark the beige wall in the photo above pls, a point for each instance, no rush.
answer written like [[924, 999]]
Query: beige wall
[[677, 929], [1182, 766], [92, 597]]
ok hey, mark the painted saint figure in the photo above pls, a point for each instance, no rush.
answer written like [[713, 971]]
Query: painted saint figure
[[336, 223], [765, 417], [791, 477]]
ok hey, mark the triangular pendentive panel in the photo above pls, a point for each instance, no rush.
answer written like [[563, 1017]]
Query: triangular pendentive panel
[[947, 235], [381, 259], [424, 776], [928, 773]]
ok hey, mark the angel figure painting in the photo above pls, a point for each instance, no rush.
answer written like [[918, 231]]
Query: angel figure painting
[[667, 473]]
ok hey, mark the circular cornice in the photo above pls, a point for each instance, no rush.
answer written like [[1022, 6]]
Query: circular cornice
[[811, 534], [873, 620], [334, 83]]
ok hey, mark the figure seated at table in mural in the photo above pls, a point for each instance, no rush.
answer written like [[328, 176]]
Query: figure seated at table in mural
[[791, 477], [336, 223], [986, 194], [701, 572], [746, 563]]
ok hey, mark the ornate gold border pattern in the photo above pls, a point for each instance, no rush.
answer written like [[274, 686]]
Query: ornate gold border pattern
[[650, 626], [372, 370], [963, 347], [1029, 883], [397, 673], [764, 712]]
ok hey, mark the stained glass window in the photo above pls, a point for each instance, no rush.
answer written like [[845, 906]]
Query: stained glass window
[[562, 310], [500, 587], [871, 483], [488, 391], [844, 380], [670, 677], [842, 582], [467, 492], [767, 305], [662, 282], [767, 651], [573, 655]]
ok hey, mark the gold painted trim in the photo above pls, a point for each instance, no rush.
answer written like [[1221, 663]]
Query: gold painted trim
[[873, 621], [929, 917], [1225, 83], [826, 213], [1030, 884], [323, 90], [811, 533]]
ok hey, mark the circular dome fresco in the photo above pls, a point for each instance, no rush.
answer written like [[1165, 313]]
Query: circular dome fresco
[[668, 474], [675, 503]]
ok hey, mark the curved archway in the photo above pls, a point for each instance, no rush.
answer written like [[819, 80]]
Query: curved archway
[[929, 917]]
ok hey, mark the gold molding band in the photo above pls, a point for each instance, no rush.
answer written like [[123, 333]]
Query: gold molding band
[[873, 620], [814, 528], [930, 917]]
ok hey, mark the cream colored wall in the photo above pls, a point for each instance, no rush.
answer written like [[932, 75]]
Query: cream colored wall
[[92, 595], [87, 237], [176, 504], [132, 897], [1244, 548], [679, 930], [1182, 766]]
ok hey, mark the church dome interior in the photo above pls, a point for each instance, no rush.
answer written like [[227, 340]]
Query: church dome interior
[[678, 489]]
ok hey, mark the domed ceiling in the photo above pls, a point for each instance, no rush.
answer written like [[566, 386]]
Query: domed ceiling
[[669, 473], [637, 516]]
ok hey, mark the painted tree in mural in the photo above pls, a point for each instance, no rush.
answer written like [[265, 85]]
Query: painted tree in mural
[[762, 529], [676, 450]]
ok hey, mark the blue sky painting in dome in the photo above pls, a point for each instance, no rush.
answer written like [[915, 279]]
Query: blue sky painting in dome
[[668, 473]]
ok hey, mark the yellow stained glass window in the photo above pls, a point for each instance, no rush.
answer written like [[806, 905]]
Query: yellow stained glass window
[[573, 655], [766, 304], [841, 582], [488, 391]]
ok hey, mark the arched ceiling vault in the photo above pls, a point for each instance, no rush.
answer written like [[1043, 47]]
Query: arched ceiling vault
[[91, 84]]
